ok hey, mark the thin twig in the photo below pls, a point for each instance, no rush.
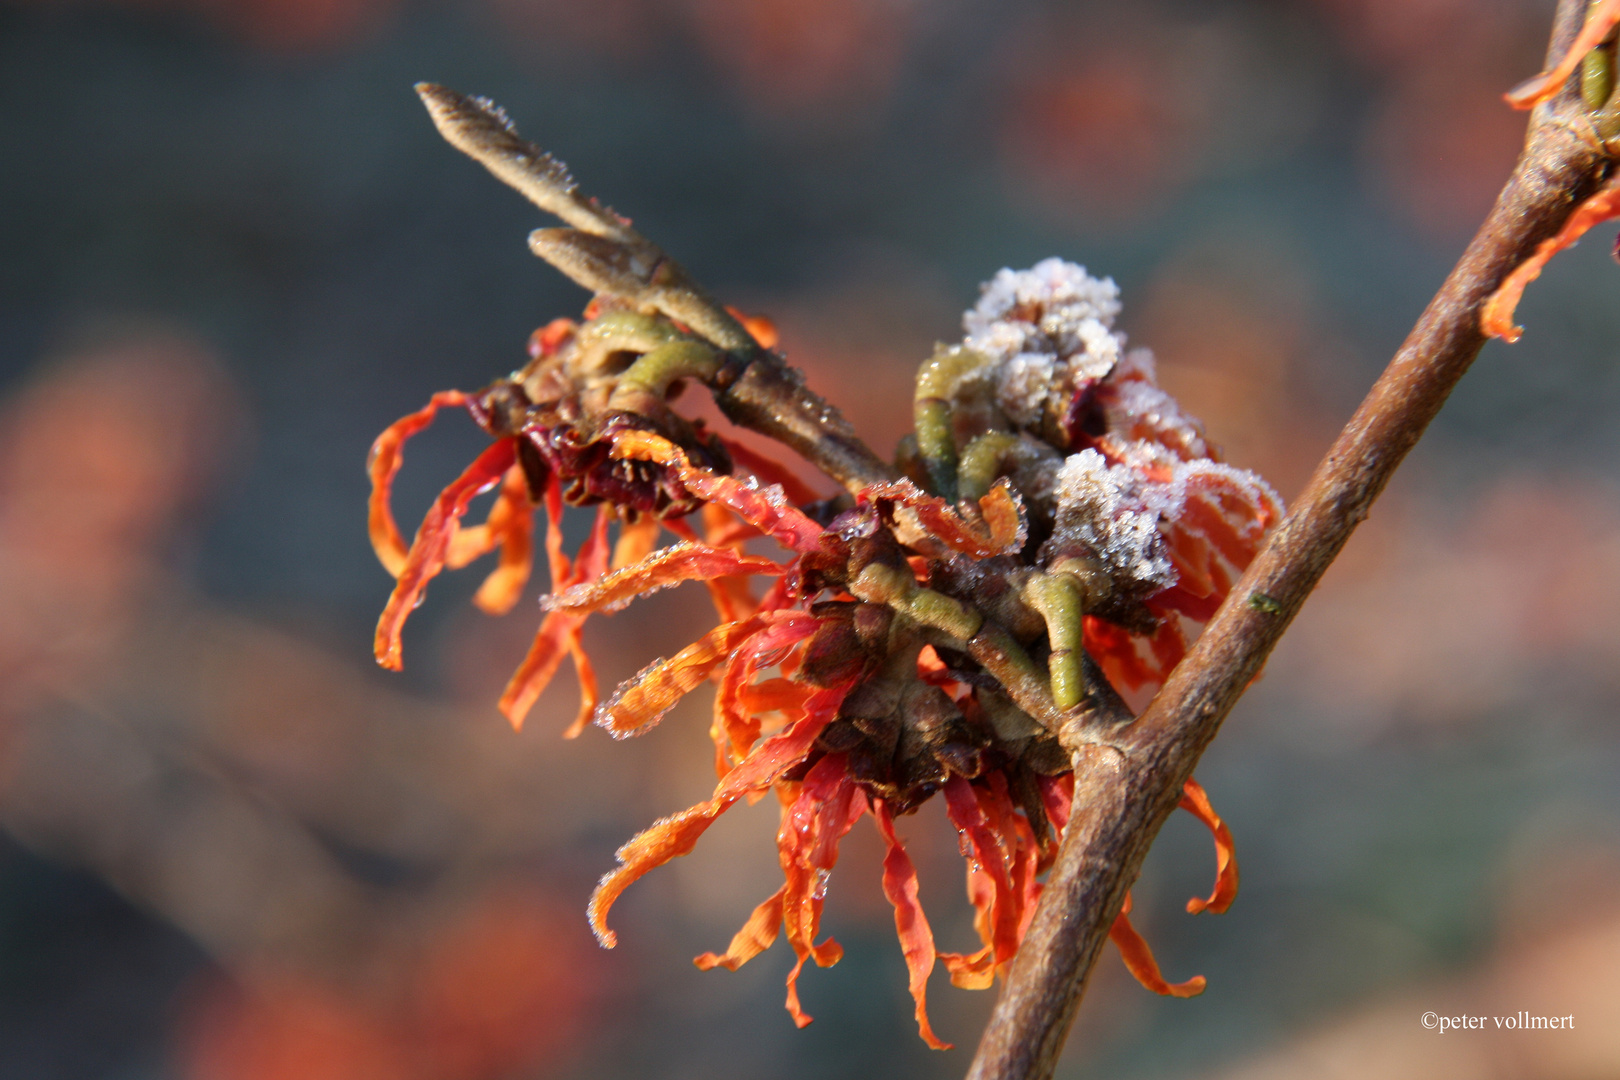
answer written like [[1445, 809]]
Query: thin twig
[[1124, 792], [602, 253]]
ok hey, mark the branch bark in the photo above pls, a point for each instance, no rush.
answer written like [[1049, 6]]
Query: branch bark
[[1124, 792]]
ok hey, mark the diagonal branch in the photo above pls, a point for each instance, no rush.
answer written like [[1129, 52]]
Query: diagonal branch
[[1124, 792]]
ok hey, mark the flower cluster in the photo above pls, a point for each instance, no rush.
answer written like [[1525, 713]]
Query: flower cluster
[[1060, 527]]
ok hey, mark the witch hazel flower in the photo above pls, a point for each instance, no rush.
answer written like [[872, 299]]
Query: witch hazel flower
[[1053, 532]]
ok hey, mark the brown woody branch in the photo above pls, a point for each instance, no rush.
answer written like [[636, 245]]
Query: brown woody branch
[[1124, 792]]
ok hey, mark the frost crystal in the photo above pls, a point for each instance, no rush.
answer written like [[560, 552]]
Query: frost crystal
[[1106, 509], [1049, 329]]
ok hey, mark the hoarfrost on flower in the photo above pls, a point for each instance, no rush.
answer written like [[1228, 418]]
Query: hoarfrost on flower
[[1103, 507], [1048, 329]]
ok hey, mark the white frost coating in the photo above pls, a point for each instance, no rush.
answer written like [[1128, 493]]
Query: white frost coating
[[1047, 328], [1103, 507]]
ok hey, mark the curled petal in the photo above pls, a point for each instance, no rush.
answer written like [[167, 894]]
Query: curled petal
[[1496, 318], [996, 904], [1195, 801], [559, 633], [665, 839], [916, 937], [828, 805], [387, 455], [662, 569], [511, 528], [767, 509], [738, 704], [641, 702], [1601, 19], [1005, 526], [766, 763], [675, 835], [1140, 963], [553, 641], [426, 557], [757, 935]]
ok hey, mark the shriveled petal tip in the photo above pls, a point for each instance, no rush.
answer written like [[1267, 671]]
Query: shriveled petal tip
[[1005, 525], [383, 464], [662, 569], [1139, 960], [1496, 317], [427, 554], [1601, 19], [666, 839], [916, 937], [759, 327], [1195, 801], [757, 935]]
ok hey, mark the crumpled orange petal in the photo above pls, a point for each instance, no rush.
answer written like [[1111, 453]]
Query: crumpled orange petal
[[767, 508], [426, 556], [641, 702], [738, 704], [1005, 525], [996, 903], [665, 839], [1139, 959], [510, 527], [1195, 801], [1601, 19], [559, 633], [675, 835], [663, 569], [916, 937], [828, 805], [383, 464], [757, 935], [1496, 318]]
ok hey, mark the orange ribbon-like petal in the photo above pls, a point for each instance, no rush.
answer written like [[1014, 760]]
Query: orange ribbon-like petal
[[916, 937], [767, 508], [1195, 801], [676, 835], [1139, 959], [426, 556], [663, 569], [757, 935], [560, 632], [383, 464], [1496, 318], [1601, 20]]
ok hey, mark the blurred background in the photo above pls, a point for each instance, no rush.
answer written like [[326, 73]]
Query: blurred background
[[234, 250]]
